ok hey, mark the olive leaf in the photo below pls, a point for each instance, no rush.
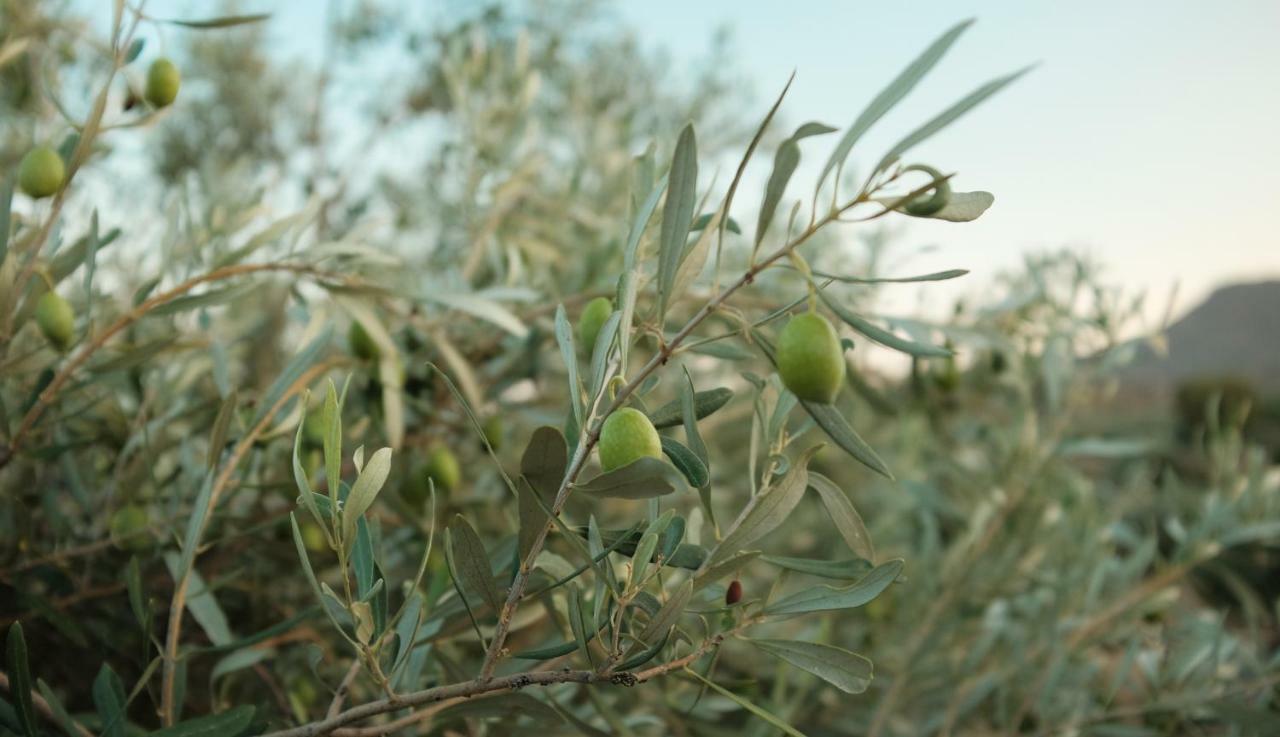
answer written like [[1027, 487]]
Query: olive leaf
[[643, 478], [677, 213], [845, 670], [661, 623], [472, 561], [705, 403], [363, 492], [766, 511], [891, 95], [230, 723], [882, 336], [686, 461], [848, 570], [17, 665], [545, 459], [785, 162], [961, 207], [828, 598], [847, 520]]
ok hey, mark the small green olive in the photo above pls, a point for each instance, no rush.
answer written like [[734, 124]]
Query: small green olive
[[163, 80], [55, 319], [129, 527], [442, 468], [591, 320], [361, 343], [810, 358], [627, 436], [493, 432], [41, 171]]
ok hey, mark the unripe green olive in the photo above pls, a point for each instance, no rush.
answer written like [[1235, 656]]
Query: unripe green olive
[[442, 468], [626, 436], [361, 342], [41, 171], [591, 320], [493, 431], [810, 358], [163, 80], [129, 527], [55, 319]]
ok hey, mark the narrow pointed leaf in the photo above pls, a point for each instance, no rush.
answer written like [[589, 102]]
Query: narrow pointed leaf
[[677, 213], [766, 511], [828, 598], [642, 479], [846, 518], [892, 95], [705, 403], [364, 491], [845, 670], [473, 562], [685, 461]]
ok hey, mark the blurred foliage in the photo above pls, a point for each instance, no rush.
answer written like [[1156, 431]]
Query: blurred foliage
[[426, 211]]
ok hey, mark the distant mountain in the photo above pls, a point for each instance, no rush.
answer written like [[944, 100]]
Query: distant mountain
[[1235, 332]]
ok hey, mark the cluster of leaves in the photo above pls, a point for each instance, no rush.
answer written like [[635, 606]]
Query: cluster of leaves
[[175, 504]]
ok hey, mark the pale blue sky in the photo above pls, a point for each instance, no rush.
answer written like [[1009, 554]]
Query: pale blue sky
[[1146, 136]]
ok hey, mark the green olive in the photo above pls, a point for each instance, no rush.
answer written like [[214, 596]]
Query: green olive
[[163, 80], [493, 432], [442, 468], [129, 527], [810, 358], [591, 320], [41, 171], [361, 342], [627, 436], [55, 319]]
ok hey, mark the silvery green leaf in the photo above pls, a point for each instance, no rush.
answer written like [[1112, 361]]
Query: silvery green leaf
[[766, 511], [18, 667], [828, 598], [846, 518], [545, 460], [564, 336], [845, 570], [473, 562], [677, 213], [838, 429], [644, 478], [948, 116], [202, 604], [109, 699], [660, 625], [785, 162], [230, 723], [705, 403], [882, 336], [485, 309], [225, 21], [892, 95], [685, 461], [935, 276], [847, 671], [364, 491]]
